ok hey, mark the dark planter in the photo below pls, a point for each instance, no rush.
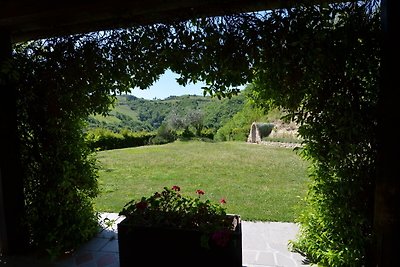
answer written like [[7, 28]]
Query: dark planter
[[148, 246]]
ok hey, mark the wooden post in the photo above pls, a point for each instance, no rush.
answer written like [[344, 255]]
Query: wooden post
[[387, 192], [12, 236]]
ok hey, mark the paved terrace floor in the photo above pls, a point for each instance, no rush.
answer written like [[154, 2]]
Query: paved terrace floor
[[264, 244]]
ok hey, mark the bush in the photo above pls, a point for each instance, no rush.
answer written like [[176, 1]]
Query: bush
[[333, 99], [103, 139], [187, 134], [60, 179], [165, 135], [239, 134], [238, 128], [207, 133]]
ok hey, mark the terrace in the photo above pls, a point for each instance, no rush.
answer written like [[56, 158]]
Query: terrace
[[20, 21], [264, 244]]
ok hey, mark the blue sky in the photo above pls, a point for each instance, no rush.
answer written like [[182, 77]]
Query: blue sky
[[167, 86]]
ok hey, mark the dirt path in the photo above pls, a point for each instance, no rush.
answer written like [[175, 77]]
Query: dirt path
[[281, 144]]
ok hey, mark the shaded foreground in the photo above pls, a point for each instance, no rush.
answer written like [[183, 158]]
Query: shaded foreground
[[264, 244]]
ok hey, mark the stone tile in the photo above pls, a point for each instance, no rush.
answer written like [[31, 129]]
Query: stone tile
[[282, 232], [282, 248], [96, 244], [249, 256], [108, 234], [66, 261], [83, 258], [107, 259], [284, 260], [111, 246], [266, 258], [252, 227], [253, 241], [19, 261]]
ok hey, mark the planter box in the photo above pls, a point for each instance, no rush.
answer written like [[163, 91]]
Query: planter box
[[148, 246]]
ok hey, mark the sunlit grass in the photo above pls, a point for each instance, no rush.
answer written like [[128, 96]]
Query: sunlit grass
[[258, 182]]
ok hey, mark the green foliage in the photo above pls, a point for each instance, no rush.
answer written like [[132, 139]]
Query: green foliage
[[59, 185], [103, 139], [60, 171], [165, 134], [196, 119], [323, 68], [120, 117], [171, 209], [137, 114], [187, 134], [218, 112], [238, 128], [320, 63], [59, 83], [207, 133]]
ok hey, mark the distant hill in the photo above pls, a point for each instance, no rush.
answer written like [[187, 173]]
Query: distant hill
[[138, 114]]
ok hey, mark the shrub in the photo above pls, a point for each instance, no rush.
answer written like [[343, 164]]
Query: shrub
[[239, 134], [331, 93], [187, 134], [165, 135], [103, 139], [170, 209], [207, 133]]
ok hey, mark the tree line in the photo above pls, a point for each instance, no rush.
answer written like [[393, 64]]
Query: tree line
[[138, 114], [177, 117]]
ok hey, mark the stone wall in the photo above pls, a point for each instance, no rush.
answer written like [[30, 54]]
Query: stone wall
[[278, 129], [258, 130]]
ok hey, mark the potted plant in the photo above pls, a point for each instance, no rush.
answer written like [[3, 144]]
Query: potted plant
[[169, 228]]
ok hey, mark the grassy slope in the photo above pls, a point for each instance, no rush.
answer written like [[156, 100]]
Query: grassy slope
[[258, 182], [120, 107]]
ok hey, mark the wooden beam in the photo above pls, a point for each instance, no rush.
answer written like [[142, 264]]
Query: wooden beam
[[12, 236], [43, 19], [387, 193]]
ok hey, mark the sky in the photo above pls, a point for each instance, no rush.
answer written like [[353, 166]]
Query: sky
[[167, 86]]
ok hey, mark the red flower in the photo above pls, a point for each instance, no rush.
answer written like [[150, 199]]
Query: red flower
[[222, 201], [176, 188], [199, 192]]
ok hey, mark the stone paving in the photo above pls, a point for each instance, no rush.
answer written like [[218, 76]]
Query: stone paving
[[264, 245]]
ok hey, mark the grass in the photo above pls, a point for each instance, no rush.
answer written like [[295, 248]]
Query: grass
[[111, 118], [258, 182]]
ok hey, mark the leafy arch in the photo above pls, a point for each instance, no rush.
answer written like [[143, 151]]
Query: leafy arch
[[320, 63]]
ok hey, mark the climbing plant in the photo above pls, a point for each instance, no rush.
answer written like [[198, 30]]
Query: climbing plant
[[60, 177], [323, 68], [320, 63]]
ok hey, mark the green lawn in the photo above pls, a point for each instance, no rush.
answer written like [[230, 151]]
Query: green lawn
[[258, 182]]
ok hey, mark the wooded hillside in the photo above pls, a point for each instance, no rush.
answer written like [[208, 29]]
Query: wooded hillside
[[138, 114]]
